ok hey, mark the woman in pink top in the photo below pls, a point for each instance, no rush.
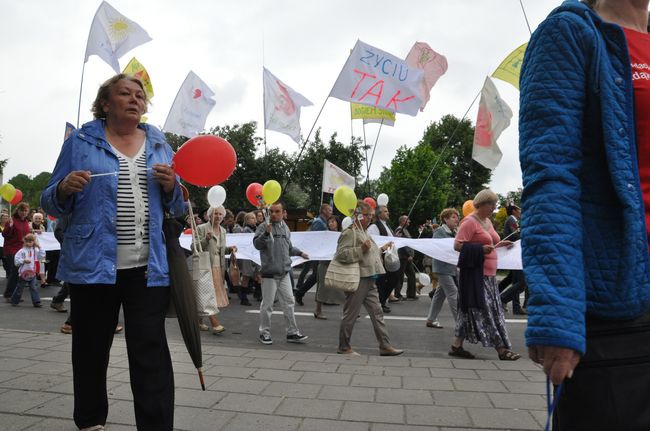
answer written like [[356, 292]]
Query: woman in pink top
[[482, 320]]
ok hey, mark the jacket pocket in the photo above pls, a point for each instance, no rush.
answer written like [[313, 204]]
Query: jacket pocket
[[81, 249]]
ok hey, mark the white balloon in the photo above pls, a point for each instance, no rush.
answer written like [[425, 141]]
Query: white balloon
[[216, 196], [424, 279], [347, 222], [382, 199]]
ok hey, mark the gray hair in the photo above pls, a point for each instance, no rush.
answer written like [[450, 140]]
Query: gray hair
[[219, 209], [485, 196]]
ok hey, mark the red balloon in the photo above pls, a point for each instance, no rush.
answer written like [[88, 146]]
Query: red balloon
[[370, 201], [254, 194], [187, 231], [51, 217], [205, 160], [17, 198]]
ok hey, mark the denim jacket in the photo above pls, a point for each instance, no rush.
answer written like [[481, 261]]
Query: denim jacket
[[89, 249]]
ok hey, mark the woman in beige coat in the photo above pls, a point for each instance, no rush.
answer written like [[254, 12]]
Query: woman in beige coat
[[356, 246], [213, 239]]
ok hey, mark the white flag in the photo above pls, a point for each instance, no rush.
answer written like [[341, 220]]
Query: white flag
[[493, 118], [374, 77], [191, 107], [112, 35], [334, 177], [282, 107]]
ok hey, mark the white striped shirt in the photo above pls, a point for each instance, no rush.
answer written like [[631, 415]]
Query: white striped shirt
[[132, 224]]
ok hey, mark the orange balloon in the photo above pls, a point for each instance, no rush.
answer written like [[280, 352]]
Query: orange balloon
[[468, 208]]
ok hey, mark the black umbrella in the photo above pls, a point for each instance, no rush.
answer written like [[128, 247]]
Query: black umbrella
[[182, 293]]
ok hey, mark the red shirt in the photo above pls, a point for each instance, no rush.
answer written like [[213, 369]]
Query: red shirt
[[14, 236], [639, 48]]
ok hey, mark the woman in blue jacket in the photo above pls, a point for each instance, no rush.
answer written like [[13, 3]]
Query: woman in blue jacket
[[114, 251], [584, 151]]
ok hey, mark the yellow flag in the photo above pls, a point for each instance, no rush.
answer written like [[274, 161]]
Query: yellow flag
[[509, 68], [365, 112], [135, 68]]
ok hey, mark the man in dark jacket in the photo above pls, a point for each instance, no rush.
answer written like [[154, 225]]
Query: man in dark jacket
[[319, 224], [386, 283], [406, 261]]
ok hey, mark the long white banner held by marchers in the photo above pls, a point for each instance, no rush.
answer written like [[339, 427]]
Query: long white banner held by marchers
[[334, 177], [374, 77], [322, 245]]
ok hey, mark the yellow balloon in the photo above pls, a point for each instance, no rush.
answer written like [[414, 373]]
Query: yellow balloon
[[271, 191], [7, 191], [345, 200]]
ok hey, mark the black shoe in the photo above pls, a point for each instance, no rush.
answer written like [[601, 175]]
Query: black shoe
[[299, 300], [520, 311], [385, 308], [296, 338], [265, 339], [245, 302]]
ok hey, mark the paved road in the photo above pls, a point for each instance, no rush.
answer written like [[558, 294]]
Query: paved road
[[406, 325]]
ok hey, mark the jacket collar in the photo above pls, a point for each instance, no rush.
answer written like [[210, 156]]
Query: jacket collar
[[94, 133]]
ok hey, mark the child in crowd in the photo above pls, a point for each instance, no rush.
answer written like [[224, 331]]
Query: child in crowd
[[25, 259]]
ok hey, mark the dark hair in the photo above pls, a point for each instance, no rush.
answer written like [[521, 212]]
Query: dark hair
[[239, 219], [104, 92], [511, 208], [338, 223], [20, 206]]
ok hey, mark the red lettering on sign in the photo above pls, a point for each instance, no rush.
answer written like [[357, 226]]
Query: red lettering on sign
[[363, 76], [394, 100], [377, 95]]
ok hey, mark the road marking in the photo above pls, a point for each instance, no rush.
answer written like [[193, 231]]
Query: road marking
[[49, 299], [420, 319]]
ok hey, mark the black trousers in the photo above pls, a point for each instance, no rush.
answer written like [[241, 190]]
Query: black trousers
[[512, 292], [52, 264], [94, 315], [12, 274], [406, 269], [303, 285], [386, 283], [610, 387]]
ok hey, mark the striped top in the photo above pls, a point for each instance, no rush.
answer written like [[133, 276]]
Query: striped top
[[132, 224]]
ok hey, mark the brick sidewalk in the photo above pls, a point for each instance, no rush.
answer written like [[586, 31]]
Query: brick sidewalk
[[258, 389]]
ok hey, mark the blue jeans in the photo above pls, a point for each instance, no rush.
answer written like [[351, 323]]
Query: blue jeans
[[18, 292]]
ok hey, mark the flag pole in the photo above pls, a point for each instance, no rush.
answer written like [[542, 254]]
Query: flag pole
[[372, 157], [440, 155], [365, 148], [83, 68]]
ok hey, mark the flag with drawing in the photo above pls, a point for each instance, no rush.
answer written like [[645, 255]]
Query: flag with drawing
[[376, 78], [191, 107], [510, 68], [282, 107], [135, 68], [493, 118], [334, 177], [112, 35], [434, 65]]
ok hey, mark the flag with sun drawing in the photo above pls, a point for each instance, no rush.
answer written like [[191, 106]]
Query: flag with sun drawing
[[112, 35]]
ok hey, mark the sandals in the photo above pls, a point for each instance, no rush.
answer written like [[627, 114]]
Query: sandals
[[459, 352], [434, 324], [509, 355], [319, 316]]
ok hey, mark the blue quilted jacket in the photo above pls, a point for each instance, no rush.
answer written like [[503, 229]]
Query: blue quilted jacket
[[584, 246]]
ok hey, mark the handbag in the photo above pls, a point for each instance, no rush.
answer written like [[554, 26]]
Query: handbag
[[343, 276], [201, 274], [233, 270], [391, 259]]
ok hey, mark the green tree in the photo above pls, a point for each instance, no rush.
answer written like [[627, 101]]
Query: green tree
[[467, 177], [31, 187], [404, 178]]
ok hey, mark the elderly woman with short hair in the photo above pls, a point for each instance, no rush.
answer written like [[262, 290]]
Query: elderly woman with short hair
[[213, 239], [480, 315]]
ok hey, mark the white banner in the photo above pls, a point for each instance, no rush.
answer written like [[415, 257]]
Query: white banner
[[333, 177], [282, 107], [373, 77], [321, 245], [191, 107], [112, 35]]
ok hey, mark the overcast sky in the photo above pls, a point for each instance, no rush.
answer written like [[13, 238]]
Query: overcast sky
[[226, 43]]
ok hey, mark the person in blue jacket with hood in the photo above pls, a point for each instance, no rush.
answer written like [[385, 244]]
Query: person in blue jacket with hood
[[114, 252], [584, 127]]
